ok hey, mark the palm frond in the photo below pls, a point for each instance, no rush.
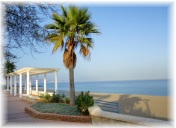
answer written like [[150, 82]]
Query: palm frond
[[64, 11], [84, 51], [51, 26], [58, 18], [57, 45], [85, 40]]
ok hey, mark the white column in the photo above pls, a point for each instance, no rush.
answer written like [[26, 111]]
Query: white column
[[15, 84], [30, 85], [36, 83], [56, 83], [25, 82], [11, 85], [7, 83], [45, 82], [28, 82], [20, 93]]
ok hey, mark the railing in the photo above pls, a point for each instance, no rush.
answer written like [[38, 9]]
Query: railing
[[107, 106]]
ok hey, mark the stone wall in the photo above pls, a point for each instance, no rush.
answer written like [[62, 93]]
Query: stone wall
[[101, 118], [40, 92]]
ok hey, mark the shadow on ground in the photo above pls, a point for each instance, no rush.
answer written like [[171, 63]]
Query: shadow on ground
[[133, 105]]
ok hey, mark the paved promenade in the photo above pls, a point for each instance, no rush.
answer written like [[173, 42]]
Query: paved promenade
[[15, 115]]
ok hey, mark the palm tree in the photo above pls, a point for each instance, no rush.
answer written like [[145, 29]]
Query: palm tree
[[72, 29], [9, 67]]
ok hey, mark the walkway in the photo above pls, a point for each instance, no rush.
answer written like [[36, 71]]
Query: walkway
[[16, 116]]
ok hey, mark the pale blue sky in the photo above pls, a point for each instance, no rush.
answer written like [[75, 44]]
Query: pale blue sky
[[134, 45]]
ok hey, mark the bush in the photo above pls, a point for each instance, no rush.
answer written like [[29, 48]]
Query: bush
[[41, 95], [62, 100], [47, 97], [56, 98], [83, 101], [67, 100], [63, 95]]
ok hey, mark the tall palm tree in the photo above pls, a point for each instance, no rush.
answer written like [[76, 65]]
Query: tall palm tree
[[72, 29]]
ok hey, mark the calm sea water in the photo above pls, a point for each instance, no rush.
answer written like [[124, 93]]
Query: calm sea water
[[143, 87]]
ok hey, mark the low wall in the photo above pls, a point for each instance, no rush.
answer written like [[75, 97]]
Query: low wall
[[101, 118], [39, 93], [6, 91]]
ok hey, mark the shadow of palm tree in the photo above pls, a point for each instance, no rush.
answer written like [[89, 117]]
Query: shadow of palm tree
[[129, 105], [133, 105]]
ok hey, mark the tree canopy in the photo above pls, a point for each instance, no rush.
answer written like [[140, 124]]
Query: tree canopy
[[72, 29], [22, 24]]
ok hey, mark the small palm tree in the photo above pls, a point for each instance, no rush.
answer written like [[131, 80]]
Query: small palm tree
[[72, 29], [9, 67]]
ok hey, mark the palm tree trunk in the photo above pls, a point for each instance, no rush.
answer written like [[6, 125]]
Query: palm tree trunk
[[71, 75], [72, 87]]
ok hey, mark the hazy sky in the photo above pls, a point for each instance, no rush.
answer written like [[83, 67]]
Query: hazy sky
[[134, 45]]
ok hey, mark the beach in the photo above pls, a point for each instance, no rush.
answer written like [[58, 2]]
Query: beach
[[156, 107]]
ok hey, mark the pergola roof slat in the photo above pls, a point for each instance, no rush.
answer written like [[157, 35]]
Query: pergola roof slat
[[33, 71]]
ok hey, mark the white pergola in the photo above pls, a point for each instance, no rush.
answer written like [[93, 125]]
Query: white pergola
[[28, 72]]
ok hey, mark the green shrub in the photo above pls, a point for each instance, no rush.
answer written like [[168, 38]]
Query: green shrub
[[47, 98], [41, 96], [83, 101], [63, 95], [62, 100], [67, 100], [56, 98]]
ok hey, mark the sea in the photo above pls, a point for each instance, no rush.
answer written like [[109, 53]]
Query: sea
[[141, 87]]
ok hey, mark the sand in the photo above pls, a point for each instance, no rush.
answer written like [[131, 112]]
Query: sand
[[157, 107]]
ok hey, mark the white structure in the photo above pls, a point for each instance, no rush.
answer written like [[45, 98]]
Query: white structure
[[28, 72]]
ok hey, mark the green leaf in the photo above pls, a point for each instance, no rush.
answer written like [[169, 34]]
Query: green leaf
[[51, 26], [64, 11], [57, 45]]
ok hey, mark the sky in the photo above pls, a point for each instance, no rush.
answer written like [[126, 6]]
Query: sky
[[133, 45]]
